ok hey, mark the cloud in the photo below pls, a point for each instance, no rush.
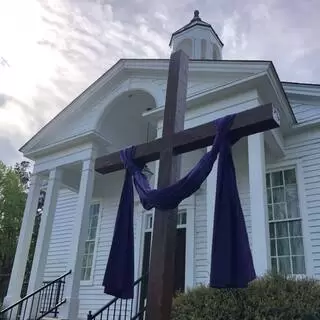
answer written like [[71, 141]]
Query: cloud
[[51, 51]]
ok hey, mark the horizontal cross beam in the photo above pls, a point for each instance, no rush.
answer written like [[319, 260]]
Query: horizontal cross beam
[[258, 119]]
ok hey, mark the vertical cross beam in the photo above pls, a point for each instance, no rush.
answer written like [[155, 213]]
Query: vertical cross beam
[[161, 274]]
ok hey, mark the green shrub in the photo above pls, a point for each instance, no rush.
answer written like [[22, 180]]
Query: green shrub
[[271, 297]]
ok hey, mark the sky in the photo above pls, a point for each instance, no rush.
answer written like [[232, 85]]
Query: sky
[[50, 53]]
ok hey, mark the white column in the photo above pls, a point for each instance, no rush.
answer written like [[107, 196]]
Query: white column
[[70, 309], [45, 230], [211, 183], [259, 215], [22, 251]]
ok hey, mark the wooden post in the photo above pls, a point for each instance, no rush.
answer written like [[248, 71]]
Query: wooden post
[[161, 274]]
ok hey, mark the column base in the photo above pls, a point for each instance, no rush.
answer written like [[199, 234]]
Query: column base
[[8, 301], [70, 309]]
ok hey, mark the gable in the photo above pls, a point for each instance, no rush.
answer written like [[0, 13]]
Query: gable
[[82, 116]]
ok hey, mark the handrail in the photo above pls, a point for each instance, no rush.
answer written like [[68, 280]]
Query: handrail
[[43, 301], [124, 308], [35, 292], [139, 314], [53, 308], [113, 301]]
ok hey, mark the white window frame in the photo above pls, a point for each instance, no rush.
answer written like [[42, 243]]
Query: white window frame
[[297, 165], [89, 282], [189, 268]]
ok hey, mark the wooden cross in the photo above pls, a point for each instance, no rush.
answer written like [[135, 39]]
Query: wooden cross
[[175, 141]]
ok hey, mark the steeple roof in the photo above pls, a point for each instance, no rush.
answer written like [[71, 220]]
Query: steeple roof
[[196, 21]]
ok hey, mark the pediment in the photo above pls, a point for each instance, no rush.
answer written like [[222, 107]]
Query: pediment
[[82, 115]]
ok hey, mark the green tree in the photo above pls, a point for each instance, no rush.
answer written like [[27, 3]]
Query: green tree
[[23, 171], [14, 186], [12, 202]]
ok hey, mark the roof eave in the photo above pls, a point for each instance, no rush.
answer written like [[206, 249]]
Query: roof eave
[[282, 92], [118, 65], [191, 26], [124, 65]]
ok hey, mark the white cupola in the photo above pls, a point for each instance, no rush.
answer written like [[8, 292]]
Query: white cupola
[[198, 40]]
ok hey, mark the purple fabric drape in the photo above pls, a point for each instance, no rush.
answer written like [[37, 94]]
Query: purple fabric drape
[[231, 264], [231, 259]]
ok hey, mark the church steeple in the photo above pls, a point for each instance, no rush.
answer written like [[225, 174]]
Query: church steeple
[[198, 39]]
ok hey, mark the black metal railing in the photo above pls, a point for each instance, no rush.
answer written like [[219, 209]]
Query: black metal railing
[[125, 309], [44, 301]]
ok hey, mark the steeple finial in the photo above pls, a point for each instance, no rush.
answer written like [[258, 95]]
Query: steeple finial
[[196, 16]]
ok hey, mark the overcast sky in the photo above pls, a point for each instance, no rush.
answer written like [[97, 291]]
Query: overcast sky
[[50, 53]]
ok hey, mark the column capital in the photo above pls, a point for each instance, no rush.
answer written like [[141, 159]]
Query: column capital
[[88, 164], [55, 174], [35, 179]]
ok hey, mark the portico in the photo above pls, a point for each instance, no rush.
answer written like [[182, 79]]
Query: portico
[[75, 171], [125, 107]]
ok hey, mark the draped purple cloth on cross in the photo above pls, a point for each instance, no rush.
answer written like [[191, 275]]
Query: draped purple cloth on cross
[[231, 259]]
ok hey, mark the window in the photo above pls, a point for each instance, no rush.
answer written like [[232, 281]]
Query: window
[[181, 220], [180, 253], [87, 261], [285, 225]]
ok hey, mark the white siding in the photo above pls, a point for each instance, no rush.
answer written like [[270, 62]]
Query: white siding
[[305, 151], [61, 235], [240, 158], [200, 238], [306, 112], [92, 296]]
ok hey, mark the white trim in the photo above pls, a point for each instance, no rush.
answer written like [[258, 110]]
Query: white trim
[[305, 220], [189, 207], [297, 165], [211, 186], [90, 282], [145, 214], [217, 93], [139, 240], [126, 70], [302, 89], [189, 268], [75, 141], [281, 165], [77, 154], [258, 204]]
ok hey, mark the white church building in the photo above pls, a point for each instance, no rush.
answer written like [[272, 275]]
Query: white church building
[[278, 175]]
